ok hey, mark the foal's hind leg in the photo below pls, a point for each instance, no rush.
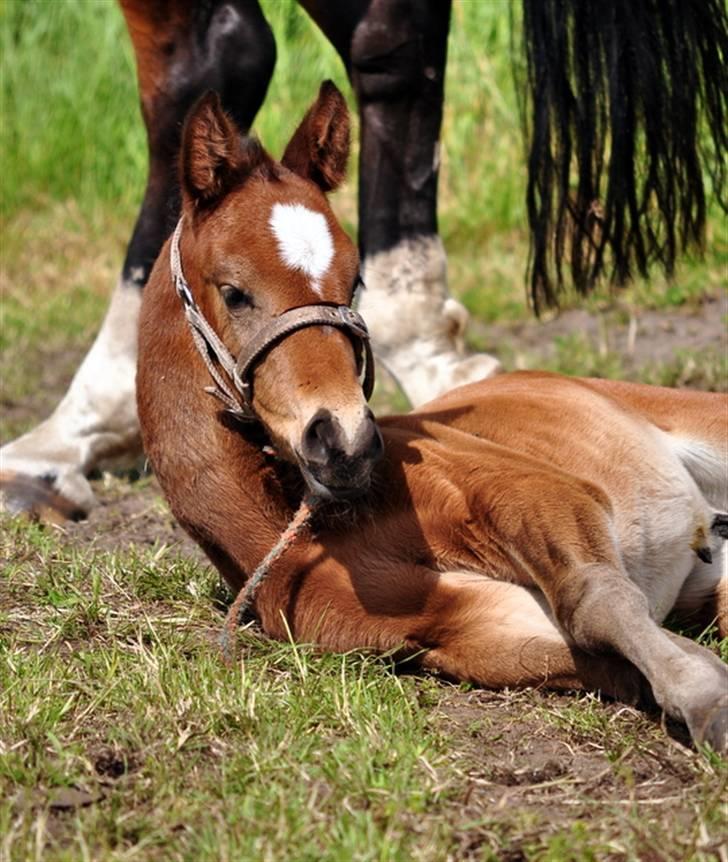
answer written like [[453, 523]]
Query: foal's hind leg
[[181, 51], [601, 608], [465, 626], [502, 635], [395, 54]]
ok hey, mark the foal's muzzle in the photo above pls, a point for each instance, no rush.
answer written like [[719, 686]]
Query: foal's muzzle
[[334, 464]]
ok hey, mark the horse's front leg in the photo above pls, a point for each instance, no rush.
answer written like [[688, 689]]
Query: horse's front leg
[[395, 53], [181, 50]]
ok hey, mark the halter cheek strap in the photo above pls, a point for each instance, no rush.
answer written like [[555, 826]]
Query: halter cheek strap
[[221, 363]]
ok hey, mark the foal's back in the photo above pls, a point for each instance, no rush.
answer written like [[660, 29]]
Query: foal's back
[[598, 429], [520, 438]]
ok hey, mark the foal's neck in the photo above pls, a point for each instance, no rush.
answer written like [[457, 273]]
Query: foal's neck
[[261, 492]]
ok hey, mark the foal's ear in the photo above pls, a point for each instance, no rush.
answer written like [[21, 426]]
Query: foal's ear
[[214, 154], [319, 148]]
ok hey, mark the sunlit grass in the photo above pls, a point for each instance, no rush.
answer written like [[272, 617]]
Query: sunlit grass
[[114, 658], [124, 735]]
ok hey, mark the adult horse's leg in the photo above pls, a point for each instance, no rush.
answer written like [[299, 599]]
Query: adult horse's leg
[[395, 52], [181, 50]]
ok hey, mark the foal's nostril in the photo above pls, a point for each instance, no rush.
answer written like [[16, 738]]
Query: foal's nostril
[[320, 437], [337, 464], [324, 439]]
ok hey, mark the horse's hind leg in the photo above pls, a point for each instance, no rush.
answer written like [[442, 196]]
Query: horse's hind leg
[[395, 54], [502, 635], [181, 50]]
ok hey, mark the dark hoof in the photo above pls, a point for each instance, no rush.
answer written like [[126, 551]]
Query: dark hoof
[[34, 498]]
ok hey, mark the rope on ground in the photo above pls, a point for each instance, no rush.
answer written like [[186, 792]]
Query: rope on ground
[[246, 595]]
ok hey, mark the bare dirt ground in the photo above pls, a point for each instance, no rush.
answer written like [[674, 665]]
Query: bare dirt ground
[[522, 764]]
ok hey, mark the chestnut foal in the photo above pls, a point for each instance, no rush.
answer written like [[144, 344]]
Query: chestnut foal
[[531, 529]]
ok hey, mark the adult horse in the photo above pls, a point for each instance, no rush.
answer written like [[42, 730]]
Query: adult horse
[[614, 180], [524, 530]]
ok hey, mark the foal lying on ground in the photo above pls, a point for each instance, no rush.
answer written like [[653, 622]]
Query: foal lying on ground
[[531, 529]]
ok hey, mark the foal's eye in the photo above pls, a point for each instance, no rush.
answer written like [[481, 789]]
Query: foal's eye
[[234, 298]]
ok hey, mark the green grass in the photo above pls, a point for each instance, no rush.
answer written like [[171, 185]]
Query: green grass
[[111, 662], [123, 735]]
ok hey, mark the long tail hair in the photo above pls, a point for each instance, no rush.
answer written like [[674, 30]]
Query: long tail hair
[[628, 107]]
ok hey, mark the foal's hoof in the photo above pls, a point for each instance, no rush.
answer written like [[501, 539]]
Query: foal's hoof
[[34, 498], [712, 728]]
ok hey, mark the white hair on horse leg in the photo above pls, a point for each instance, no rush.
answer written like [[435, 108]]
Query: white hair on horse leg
[[97, 418], [416, 326], [304, 240]]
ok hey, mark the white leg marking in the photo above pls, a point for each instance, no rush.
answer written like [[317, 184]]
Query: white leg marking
[[417, 327], [97, 418], [304, 240]]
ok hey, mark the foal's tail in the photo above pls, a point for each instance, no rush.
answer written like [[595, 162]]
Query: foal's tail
[[627, 108]]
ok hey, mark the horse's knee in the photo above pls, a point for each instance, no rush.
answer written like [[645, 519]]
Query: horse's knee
[[242, 49], [223, 46], [388, 57], [588, 602]]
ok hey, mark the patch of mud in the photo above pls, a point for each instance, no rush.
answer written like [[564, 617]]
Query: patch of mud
[[130, 514], [52, 369]]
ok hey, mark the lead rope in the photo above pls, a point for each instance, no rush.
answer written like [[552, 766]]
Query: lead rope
[[245, 597]]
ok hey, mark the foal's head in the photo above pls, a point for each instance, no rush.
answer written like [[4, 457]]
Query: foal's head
[[259, 239]]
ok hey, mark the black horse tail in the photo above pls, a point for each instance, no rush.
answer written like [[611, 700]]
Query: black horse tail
[[628, 105]]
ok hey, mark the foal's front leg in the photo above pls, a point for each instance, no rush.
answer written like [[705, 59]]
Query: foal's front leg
[[462, 625]]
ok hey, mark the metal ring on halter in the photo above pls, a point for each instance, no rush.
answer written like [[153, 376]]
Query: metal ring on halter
[[216, 356]]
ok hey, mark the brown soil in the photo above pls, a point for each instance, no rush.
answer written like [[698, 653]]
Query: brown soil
[[130, 512], [646, 338]]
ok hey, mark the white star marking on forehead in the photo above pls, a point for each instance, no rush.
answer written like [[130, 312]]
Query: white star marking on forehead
[[304, 240]]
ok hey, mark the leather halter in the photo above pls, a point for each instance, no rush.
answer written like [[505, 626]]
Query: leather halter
[[216, 356]]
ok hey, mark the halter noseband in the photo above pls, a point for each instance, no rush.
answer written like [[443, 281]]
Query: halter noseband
[[216, 356]]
